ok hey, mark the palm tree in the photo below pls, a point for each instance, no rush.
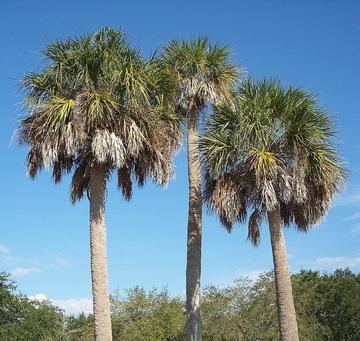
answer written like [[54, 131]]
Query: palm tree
[[272, 152], [204, 73], [96, 107]]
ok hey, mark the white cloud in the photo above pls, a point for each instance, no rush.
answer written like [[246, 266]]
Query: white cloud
[[4, 249], [74, 306], [71, 306], [338, 262], [39, 297], [20, 272]]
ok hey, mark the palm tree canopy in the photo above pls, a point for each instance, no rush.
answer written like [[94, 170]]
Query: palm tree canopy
[[204, 71], [97, 101], [271, 147]]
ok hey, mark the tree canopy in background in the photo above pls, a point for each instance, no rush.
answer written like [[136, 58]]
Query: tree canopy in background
[[24, 319], [327, 307]]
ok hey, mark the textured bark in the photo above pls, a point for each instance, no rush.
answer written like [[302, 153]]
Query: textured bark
[[285, 302], [193, 266], [99, 276]]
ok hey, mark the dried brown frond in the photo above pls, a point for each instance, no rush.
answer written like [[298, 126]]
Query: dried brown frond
[[79, 183], [124, 182], [255, 221], [226, 201]]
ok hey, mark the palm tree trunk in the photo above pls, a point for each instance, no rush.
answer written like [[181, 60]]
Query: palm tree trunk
[[284, 297], [193, 266], [99, 276]]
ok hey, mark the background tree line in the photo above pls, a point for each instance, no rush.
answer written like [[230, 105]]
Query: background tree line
[[327, 306]]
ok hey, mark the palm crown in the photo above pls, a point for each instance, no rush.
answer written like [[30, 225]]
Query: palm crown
[[271, 148], [204, 72], [98, 101]]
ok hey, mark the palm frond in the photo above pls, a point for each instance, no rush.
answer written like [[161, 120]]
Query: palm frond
[[79, 182], [255, 221]]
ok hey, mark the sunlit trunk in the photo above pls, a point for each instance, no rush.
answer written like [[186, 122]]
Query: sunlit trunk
[[99, 276], [193, 267], [285, 303]]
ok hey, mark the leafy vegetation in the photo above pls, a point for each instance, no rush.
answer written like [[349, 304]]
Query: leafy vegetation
[[327, 306], [24, 319], [148, 316]]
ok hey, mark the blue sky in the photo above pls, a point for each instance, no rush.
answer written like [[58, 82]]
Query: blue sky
[[44, 241]]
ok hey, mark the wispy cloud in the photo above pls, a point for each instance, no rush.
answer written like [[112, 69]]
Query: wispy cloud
[[251, 274], [4, 249], [61, 261], [71, 306], [347, 199], [355, 230], [57, 259], [10, 260], [20, 272], [13, 261], [338, 262], [355, 216]]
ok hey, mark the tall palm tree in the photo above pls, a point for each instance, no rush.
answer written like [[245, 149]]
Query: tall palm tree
[[96, 107], [272, 152], [204, 74]]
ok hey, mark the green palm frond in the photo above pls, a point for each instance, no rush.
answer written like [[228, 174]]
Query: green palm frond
[[262, 162], [58, 112], [98, 108]]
